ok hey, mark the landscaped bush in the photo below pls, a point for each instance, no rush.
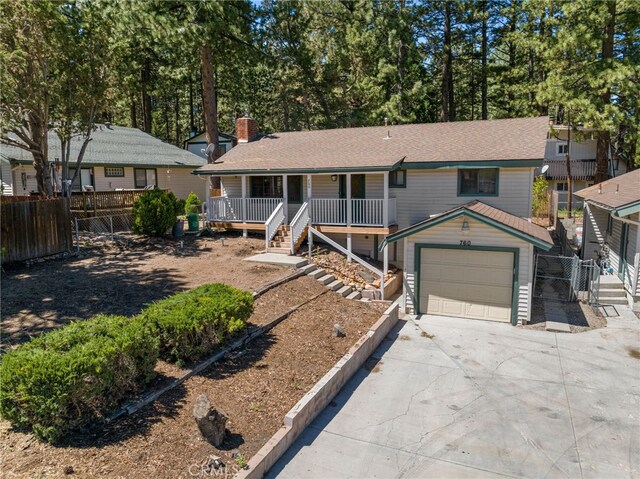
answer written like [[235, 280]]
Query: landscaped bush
[[191, 324], [154, 212], [192, 204], [71, 377]]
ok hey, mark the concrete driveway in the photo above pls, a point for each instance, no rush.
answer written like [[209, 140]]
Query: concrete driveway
[[480, 399]]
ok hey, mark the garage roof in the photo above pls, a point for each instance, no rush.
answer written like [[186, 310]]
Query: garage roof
[[506, 142], [621, 194], [480, 211]]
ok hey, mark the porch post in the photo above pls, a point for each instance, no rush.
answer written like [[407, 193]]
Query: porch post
[[385, 206], [285, 193], [310, 200], [385, 266], [349, 211], [244, 204]]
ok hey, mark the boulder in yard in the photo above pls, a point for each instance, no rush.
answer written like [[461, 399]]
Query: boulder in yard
[[210, 421], [338, 331], [366, 276]]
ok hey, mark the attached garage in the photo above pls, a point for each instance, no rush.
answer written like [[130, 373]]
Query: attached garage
[[473, 262], [466, 283]]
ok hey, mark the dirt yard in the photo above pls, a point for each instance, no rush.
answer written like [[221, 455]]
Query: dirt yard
[[581, 316], [255, 388], [123, 279]]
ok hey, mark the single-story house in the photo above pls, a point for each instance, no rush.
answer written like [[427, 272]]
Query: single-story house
[[117, 158], [612, 218], [448, 203]]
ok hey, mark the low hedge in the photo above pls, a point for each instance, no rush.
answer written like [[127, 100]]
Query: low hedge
[[70, 377], [191, 324]]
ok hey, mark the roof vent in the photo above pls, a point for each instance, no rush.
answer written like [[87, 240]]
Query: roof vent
[[388, 137], [617, 188]]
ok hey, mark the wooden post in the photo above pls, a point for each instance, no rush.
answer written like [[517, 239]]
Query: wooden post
[[349, 211], [385, 206], [244, 204], [285, 193], [95, 206]]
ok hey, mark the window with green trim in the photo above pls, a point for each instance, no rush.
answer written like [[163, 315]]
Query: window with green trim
[[478, 182], [398, 179]]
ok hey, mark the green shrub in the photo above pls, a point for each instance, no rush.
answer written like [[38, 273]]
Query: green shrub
[[180, 205], [192, 204], [154, 212], [191, 324], [71, 377]]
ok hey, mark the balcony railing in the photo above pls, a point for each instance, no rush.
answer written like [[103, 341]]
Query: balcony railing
[[580, 169]]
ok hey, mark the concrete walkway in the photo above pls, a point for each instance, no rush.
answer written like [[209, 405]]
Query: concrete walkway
[[277, 258], [482, 399]]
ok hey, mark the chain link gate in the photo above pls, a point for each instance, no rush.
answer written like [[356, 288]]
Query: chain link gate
[[566, 278], [100, 230]]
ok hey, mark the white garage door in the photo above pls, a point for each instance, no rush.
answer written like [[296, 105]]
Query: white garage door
[[466, 283]]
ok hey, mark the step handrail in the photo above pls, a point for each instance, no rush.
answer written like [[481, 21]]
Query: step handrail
[[298, 224], [273, 223], [373, 269]]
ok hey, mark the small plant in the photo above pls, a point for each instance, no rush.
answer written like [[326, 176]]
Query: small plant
[[256, 407], [154, 212], [424, 334], [241, 461], [191, 324], [192, 205]]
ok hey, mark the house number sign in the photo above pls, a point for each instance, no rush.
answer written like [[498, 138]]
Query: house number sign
[[465, 242]]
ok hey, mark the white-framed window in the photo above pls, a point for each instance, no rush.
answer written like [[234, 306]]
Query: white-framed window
[[145, 177], [398, 179], [562, 148], [113, 171], [562, 186]]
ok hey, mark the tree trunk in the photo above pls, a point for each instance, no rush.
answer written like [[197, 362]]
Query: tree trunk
[[192, 125], [542, 109], [177, 120], [513, 20], [483, 49], [210, 100], [604, 137], [133, 112], [39, 133], [447, 112], [146, 98]]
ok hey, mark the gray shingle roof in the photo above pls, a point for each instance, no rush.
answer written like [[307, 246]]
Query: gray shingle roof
[[116, 145], [383, 147], [615, 193]]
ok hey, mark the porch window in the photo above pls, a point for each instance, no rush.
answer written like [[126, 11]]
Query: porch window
[[266, 187], [145, 177], [398, 179], [478, 182]]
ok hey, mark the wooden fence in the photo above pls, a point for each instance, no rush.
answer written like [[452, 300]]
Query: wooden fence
[[34, 228], [92, 202]]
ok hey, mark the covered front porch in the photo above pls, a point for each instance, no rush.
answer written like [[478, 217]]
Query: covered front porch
[[348, 200]]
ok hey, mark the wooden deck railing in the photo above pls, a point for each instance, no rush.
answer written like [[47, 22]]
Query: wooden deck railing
[[94, 201]]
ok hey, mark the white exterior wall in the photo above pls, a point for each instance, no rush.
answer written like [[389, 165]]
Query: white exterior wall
[[181, 182], [595, 224], [7, 178], [104, 183], [480, 234], [32, 183]]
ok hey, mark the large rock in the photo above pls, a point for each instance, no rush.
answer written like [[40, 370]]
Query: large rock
[[210, 420]]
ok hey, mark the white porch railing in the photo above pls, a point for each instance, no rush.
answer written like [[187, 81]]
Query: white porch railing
[[298, 224], [273, 223], [364, 212], [250, 210]]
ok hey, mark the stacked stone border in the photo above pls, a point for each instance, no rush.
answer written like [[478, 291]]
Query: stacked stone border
[[319, 397]]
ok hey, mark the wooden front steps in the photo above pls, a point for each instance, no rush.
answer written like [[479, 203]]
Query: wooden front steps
[[282, 240]]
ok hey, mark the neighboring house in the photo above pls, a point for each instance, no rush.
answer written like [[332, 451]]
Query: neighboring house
[[116, 158], [582, 155], [197, 143], [448, 203], [612, 218]]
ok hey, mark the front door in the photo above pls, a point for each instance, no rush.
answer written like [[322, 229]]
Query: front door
[[624, 241]]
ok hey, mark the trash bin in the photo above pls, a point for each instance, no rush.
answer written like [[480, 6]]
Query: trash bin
[[193, 218], [178, 229]]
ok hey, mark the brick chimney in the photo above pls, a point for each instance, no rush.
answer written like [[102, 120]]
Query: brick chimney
[[246, 129]]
